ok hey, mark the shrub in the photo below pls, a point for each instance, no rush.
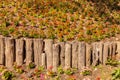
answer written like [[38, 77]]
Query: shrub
[[7, 75], [112, 62], [116, 74]]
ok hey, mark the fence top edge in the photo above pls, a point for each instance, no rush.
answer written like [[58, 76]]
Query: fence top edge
[[71, 42]]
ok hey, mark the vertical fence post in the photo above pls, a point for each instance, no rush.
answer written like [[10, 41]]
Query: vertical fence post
[[97, 53], [29, 51], [9, 52], [118, 51], [105, 52], [38, 50], [49, 52], [81, 55], [56, 56], [88, 54], [43, 60], [100, 52], [68, 55], [2, 51], [19, 51], [62, 53], [114, 48], [75, 54], [110, 50]]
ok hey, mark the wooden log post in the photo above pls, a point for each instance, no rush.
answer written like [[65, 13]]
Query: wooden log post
[[49, 52], [75, 54], [81, 55], [114, 50], [29, 51], [2, 51], [68, 51], [100, 52], [43, 60], [105, 52], [110, 50], [38, 50], [118, 51], [9, 52], [97, 53], [62, 54], [19, 51], [56, 57], [88, 54], [94, 53]]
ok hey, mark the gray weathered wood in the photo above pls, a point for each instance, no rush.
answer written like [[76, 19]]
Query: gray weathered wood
[[114, 48], [68, 55], [105, 52], [43, 60], [62, 53], [97, 53], [19, 51], [81, 55], [118, 51], [38, 50], [110, 50], [88, 54], [49, 52], [2, 51], [56, 57], [29, 51], [75, 54], [9, 52]]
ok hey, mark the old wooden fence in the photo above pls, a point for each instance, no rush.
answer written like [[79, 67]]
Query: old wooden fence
[[47, 53]]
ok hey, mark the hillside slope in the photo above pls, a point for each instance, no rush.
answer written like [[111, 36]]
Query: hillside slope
[[63, 20]]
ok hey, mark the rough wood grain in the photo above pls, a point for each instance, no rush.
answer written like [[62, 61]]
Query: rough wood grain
[[68, 51], [19, 51], [38, 50], [62, 53], [56, 57], [81, 55], [105, 52], [43, 60], [75, 54], [114, 49], [118, 51], [88, 54], [110, 49], [49, 52], [9, 52], [97, 53], [29, 51], [2, 51]]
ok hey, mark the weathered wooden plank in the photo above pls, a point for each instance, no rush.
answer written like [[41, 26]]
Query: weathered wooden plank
[[81, 55], [62, 53], [43, 60], [105, 52], [97, 53], [38, 50], [9, 52], [88, 54], [75, 54], [118, 51], [2, 51], [49, 52], [110, 49], [56, 57], [68, 51], [114, 49], [19, 51], [29, 51]]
